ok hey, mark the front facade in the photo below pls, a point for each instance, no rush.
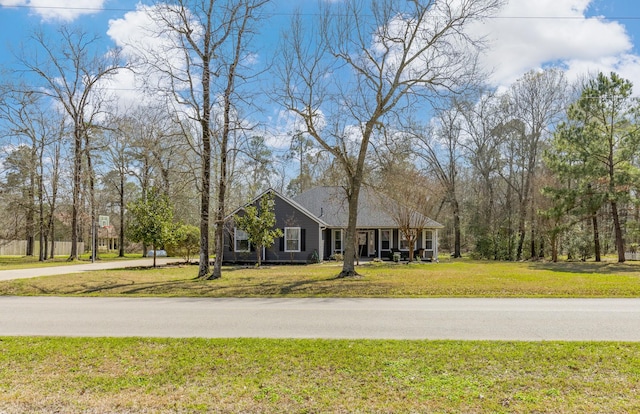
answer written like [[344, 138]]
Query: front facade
[[301, 241], [314, 226]]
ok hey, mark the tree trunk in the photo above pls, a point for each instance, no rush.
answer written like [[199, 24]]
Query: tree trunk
[[30, 219], [532, 243], [456, 229], [259, 255], [521, 231], [203, 268], [618, 232], [75, 209], [42, 254], [554, 247], [122, 207], [54, 196], [222, 186], [596, 237], [348, 265], [92, 202]]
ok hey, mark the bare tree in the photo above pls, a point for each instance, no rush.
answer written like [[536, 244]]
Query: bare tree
[[413, 199], [366, 64], [536, 102], [28, 119], [70, 75], [441, 150], [210, 38]]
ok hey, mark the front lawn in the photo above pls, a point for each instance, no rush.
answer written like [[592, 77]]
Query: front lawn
[[72, 375], [26, 262], [459, 278]]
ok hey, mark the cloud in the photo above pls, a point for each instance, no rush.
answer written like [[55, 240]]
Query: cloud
[[144, 43], [528, 35], [58, 10]]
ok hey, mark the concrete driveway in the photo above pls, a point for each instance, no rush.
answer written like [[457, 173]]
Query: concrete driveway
[[83, 267], [464, 319]]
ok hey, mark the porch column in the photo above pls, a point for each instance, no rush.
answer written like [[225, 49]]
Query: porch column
[[379, 244], [320, 244], [435, 244]]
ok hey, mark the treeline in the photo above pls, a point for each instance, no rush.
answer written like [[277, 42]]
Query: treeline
[[543, 168]]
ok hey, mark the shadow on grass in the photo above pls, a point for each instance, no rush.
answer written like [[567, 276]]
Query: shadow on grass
[[605, 268]]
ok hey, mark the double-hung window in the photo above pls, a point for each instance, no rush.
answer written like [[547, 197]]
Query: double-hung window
[[404, 243], [337, 240], [386, 239], [292, 239], [241, 240], [428, 243]]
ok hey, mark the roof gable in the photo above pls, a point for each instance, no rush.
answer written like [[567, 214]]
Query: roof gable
[[287, 200]]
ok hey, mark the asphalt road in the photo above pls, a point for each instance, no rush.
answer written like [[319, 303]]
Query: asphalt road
[[485, 319]]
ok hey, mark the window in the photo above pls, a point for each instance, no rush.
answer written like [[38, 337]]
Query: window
[[292, 239], [404, 243], [241, 240], [337, 241], [385, 240], [428, 243]]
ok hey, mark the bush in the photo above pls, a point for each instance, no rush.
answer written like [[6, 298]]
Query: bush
[[186, 242]]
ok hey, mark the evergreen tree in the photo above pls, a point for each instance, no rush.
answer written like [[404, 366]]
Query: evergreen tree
[[594, 150], [259, 224], [151, 220]]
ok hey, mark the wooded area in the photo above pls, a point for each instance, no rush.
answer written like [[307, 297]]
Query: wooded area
[[388, 97]]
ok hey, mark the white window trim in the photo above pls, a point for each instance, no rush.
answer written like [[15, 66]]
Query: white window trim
[[401, 238], [333, 240], [286, 231], [390, 240], [424, 240], [235, 241]]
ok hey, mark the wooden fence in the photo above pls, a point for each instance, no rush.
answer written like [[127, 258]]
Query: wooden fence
[[19, 248]]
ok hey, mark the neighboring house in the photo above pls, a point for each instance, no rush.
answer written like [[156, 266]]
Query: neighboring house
[[314, 225], [107, 238]]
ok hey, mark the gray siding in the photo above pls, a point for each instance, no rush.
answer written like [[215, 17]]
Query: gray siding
[[286, 216], [289, 216]]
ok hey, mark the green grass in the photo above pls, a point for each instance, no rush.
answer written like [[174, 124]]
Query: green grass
[[460, 278], [268, 376]]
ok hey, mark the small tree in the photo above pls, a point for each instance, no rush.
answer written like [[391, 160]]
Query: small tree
[[186, 241], [259, 224], [151, 220]]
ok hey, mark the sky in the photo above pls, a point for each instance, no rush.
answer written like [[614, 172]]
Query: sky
[[579, 36]]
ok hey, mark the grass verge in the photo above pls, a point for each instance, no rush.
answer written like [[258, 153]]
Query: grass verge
[[460, 278], [262, 375], [26, 262]]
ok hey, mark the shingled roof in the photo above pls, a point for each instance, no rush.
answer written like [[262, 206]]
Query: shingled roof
[[330, 205]]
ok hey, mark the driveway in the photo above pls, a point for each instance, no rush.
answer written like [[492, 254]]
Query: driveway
[[84, 267], [463, 319]]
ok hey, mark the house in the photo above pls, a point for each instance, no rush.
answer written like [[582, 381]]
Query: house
[[107, 238], [314, 225]]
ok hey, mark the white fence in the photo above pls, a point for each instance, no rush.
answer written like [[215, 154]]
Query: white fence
[[19, 248]]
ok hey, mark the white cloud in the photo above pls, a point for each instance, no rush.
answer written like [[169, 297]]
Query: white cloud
[[142, 40], [58, 10], [532, 34]]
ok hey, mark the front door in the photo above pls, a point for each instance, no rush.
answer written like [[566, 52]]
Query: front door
[[362, 244], [371, 250], [366, 243]]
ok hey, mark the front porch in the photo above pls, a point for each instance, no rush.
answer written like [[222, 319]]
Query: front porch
[[382, 243]]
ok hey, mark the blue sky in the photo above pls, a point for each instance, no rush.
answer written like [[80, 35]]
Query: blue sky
[[580, 36]]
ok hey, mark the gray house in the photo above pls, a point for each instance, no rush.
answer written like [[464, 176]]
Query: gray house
[[314, 225]]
